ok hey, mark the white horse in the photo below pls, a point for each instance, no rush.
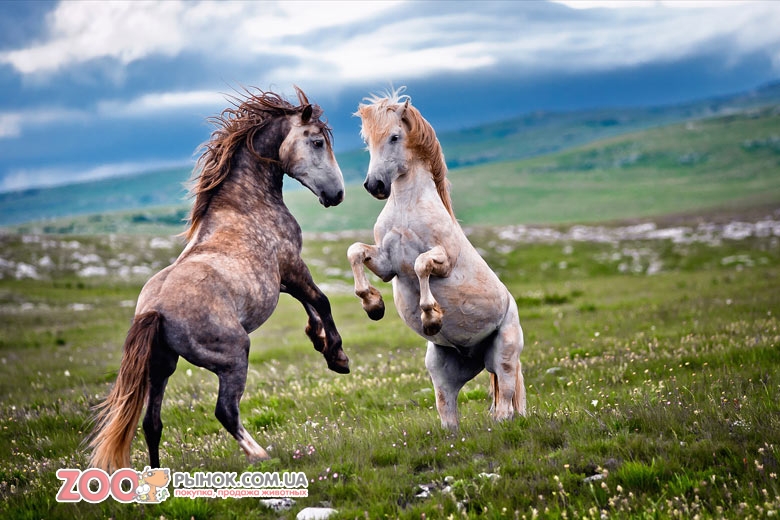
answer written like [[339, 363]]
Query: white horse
[[442, 287]]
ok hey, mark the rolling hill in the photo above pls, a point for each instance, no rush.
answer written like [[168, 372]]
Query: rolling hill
[[544, 167], [723, 162]]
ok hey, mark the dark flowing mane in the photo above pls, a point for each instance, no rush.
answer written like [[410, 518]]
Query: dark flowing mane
[[238, 125], [421, 137]]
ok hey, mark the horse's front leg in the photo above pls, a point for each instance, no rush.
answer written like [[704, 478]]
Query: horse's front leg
[[433, 262], [375, 259], [321, 328]]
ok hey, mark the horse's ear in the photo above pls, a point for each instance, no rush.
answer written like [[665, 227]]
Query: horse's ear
[[402, 114], [401, 111], [306, 114]]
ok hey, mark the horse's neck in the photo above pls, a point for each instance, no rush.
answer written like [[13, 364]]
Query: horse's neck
[[247, 200], [415, 186], [251, 186], [414, 203]]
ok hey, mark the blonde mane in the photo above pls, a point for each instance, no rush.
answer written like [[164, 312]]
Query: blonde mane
[[235, 126], [421, 138]]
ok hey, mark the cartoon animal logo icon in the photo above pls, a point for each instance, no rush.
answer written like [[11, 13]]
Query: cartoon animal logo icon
[[152, 485]]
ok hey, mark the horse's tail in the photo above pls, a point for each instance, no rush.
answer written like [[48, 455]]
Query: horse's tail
[[116, 418], [493, 390], [518, 400]]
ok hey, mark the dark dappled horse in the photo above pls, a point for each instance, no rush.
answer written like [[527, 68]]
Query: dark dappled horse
[[243, 248], [442, 287]]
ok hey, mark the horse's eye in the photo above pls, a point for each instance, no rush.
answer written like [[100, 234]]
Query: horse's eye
[[394, 138], [319, 143]]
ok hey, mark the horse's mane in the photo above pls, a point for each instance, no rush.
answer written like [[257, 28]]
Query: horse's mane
[[421, 138], [237, 125]]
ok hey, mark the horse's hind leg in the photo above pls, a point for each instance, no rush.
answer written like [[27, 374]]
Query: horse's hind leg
[[449, 371], [161, 365], [503, 363], [230, 392], [229, 359], [232, 381]]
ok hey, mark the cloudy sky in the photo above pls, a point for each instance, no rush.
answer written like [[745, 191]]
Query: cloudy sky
[[92, 89]]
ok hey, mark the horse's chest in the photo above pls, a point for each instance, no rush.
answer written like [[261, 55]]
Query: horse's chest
[[403, 246], [257, 299]]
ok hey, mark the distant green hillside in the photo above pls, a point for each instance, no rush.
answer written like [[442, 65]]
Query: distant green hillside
[[158, 188], [729, 161], [521, 137], [542, 133], [725, 162]]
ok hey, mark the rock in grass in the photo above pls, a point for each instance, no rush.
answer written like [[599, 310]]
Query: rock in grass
[[278, 504], [426, 490], [594, 478], [315, 513], [423, 494]]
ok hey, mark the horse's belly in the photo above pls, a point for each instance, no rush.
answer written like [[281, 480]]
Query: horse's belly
[[256, 315], [471, 312]]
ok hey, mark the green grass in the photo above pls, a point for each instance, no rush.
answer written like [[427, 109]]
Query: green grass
[[664, 385], [718, 162]]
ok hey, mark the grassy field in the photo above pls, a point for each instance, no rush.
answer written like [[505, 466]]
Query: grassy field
[[718, 163], [651, 363]]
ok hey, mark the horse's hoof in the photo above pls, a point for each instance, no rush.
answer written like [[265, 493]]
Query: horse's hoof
[[340, 365], [431, 323], [376, 313], [503, 416], [254, 453], [374, 305], [431, 320], [257, 458], [431, 328], [452, 426], [339, 369]]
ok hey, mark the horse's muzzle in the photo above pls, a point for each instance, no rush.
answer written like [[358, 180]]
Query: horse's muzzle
[[377, 188], [332, 200]]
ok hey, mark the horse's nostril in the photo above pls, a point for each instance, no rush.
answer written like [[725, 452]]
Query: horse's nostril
[[340, 196], [377, 188]]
